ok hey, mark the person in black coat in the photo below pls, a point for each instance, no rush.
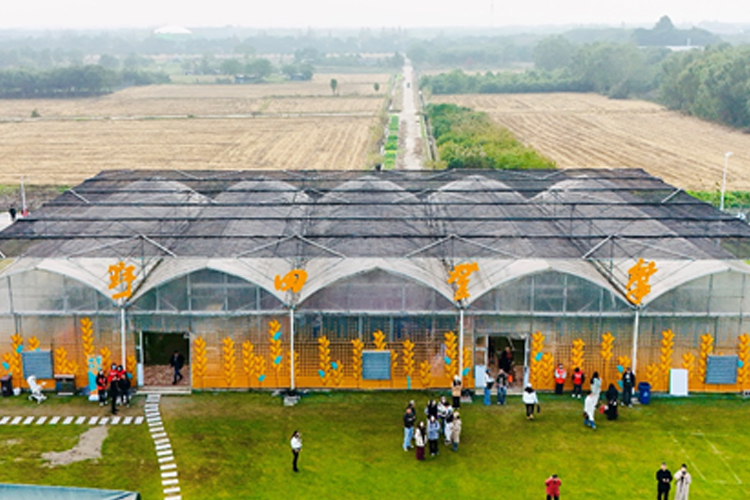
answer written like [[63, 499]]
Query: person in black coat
[[628, 383], [177, 361], [124, 387], [664, 480], [114, 391], [612, 397]]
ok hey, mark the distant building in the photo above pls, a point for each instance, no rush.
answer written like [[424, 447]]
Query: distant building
[[173, 32]]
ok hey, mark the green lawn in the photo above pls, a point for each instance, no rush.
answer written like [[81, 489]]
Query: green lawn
[[236, 445]]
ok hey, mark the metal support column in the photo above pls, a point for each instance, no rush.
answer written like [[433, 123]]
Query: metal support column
[[461, 343], [635, 339], [123, 356], [291, 348]]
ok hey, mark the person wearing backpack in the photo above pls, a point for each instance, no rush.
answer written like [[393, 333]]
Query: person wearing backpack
[[488, 383]]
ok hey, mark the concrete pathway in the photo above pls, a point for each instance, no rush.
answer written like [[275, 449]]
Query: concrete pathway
[[411, 144]]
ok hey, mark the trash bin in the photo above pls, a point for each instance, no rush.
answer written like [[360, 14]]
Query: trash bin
[[6, 383], [644, 393]]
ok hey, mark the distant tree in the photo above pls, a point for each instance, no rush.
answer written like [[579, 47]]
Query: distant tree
[[334, 85], [307, 55], [231, 67], [259, 68], [108, 61], [553, 53], [376, 86], [664, 24], [245, 49]]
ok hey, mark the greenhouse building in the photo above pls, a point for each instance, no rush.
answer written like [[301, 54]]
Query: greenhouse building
[[378, 279]]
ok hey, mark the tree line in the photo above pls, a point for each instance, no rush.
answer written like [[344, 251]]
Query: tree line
[[712, 84], [74, 81], [470, 139]]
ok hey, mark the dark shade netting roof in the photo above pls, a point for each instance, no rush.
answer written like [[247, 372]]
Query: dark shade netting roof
[[566, 214]]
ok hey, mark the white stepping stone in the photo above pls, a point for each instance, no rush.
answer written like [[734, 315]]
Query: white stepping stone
[[138, 421], [156, 430], [155, 423], [41, 420], [54, 420], [16, 421], [80, 420], [166, 459], [159, 435], [153, 398], [127, 420], [103, 421], [115, 420], [166, 475], [176, 497], [164, 453], [161, 441], [167, 482], [4, 420], [28, 420], [168, 466], [151, 407], [169, 491], [164, 447], [68, 420], [93, 420]]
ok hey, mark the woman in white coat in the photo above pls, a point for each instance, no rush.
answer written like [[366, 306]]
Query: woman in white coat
[[589, 411], [530, 400], [682, 482]]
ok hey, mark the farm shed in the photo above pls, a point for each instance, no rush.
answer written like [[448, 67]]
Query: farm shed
[[209, 257]]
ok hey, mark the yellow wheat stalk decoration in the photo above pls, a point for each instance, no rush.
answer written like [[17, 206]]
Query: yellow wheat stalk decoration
[[451, 355], [228, 361], [72, 367], [653, 374], [577, 353], [248, 360], [357, 348], [706, 348], [87, 337], [274, 339], [425, 373], [537, 345], [14, 359], [337, 374], [546, 371], [130, 366], [260, 367], [61, 360], [606, 352], [324, 357], [394, 364], [379, 339], [106, 358], [408, 359], [743, 353], [32, 344], [688, 363], [296, 363], [623, 361], [199, 360], [467, 366], [665, 354]]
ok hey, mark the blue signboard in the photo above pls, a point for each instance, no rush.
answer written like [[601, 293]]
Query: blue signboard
[[37, 363], [376, 365], [722, 370]]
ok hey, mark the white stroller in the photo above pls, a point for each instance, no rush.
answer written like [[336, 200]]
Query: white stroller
[[36, 389]]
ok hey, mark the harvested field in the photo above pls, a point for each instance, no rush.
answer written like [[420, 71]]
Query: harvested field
[[67, 152], [589, 130]]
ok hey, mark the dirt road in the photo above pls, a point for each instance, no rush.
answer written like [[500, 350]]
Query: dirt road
[[410, 141]]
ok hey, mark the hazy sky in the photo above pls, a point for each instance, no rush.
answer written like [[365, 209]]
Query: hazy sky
[[359, 13]]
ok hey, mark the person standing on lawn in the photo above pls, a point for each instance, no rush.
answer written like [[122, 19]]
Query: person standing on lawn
[[448, 424], [553, 487], [612, 402], [682, 482], [409, 420], [420, 437], [530, 400], [124, 386], [578, 378], [488, 383], [101, 387], [456, 392], [456, 431], [663, 479], [589, 411], [628, 383], [177, 361], [114, 390], [433, 434], [560, 376], [502, 387], [596, 385], [296, 443], [442, 412], [505, 363]]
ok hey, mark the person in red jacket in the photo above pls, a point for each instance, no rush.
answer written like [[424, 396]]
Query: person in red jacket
[[553, 487], [101, 387], [578, 378], [560, 375]]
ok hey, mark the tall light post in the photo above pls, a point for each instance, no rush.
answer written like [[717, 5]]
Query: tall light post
[[724, 179]]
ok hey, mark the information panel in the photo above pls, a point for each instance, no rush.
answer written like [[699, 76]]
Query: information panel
[[721, 370], [376, 365], [37, 363]]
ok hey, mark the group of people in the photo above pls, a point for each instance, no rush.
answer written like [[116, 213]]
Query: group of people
[[681, 478], [443, 419], [115, 386]]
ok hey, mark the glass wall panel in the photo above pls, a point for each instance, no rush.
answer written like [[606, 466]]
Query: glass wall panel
[[727, 290], [548, 292], [43, 291], [4, 296], [377, 291], [690, 297]]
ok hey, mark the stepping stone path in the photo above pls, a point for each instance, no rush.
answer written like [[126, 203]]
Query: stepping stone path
[[70, 420], [163, 448]]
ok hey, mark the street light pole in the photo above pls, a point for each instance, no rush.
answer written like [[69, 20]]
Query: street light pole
[[724, 179]]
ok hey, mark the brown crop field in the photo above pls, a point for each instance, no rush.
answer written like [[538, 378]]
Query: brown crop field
[[588, 130], [293, 125]]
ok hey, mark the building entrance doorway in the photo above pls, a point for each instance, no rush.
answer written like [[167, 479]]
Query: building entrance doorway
[[497, 344], [157, 350]]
